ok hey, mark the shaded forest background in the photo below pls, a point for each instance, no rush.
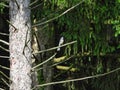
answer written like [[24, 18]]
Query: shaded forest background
[[94, 24]]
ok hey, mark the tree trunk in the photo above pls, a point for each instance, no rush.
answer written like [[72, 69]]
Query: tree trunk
[[46, 40], [20, 45]]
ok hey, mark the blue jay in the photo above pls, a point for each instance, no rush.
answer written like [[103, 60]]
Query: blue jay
[[61, 41]]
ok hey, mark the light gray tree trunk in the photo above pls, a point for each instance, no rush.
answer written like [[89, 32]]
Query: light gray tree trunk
[[20, 45]]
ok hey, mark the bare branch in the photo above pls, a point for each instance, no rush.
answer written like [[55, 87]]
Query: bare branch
[[4, 48], [46, 18], [33, 3], [4, 67], [4, 57], [5, 34], [5, 82], [12, 25], [44, 61], [78, 79], [36, 6], [4, 42], [50, 49], [5, 75], [66, 59], [61, 60], [58, 15]]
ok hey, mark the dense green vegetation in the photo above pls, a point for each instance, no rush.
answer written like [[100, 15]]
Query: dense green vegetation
[[95, 25]]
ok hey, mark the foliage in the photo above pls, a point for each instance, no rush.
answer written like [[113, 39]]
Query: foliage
[[92, 24], [3, 4], [1, 7]]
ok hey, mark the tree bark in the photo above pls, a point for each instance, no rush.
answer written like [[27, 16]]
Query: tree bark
[[46, 40], [20, 45]]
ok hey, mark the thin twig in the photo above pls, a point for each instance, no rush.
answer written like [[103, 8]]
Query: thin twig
[[50, 49], [4, 57], [33, 3], [4, 67], [66, 59], [5, 75], [58, 15], [46, 17], [5, 5], [5, 82], [4, 42], [78, 79], [36, 6], [12, 25], [5, 34], [77, 55], [44, 61], [4, 48]]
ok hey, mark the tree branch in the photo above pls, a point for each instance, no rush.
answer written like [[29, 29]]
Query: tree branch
[[4, 42], [58, 15], [44, 61], [4, 67], [4, 48], [5, 82], [5, 75], [50, 49], [36, 6], [78, 79], [12, 25], [33, 3], [4, 34], [4, 57], [66, 59]]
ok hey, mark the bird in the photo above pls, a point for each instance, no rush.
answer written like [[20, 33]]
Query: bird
[[61, 41]]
